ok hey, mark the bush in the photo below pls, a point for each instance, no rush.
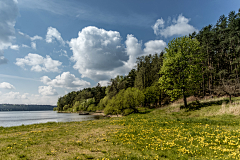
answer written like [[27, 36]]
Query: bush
[[125, 100], [103, 103], [92, 108], [65, 108], [128, 111]]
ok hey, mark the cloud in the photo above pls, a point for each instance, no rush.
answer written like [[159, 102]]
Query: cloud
[[100, 55], [39, 63], [8, 15], [36, 38], [47, 91], [159, 24], [33, 45], [25, 46], [21, 33], [17, 77], [66, 80], [79, 10], [52, 34], [154, 46], [8, 12], [6, 85], [62, 52], [133, 49], [97, 50], [26, 98], [178, 27], [3, 60], [104, 83], [12, 95], [14, 47]]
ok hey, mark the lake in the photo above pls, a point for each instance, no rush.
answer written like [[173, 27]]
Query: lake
[[17, 118]]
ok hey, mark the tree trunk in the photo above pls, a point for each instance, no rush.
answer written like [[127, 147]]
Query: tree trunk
[[184, 97], [204, 94], [160, 99], [230, 98], [185, 100]]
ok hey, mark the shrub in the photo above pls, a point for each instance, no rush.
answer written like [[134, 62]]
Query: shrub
[[92, 108], [128, 111], [125, 100], [103, 103]]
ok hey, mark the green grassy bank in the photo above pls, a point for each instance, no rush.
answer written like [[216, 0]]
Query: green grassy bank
[[208, 131]]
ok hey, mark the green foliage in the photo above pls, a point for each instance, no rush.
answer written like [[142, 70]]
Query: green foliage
[[25, 107], [66, 107], [147, 70], [152, 95], [181, 70], [125, 102], [103, 103], [91, 108], [117, 84], [76, 100]]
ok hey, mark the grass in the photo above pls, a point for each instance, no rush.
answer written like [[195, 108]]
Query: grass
[[204, 132]]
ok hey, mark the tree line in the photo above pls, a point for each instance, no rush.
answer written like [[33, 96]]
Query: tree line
[[23, 107], [201, 64]]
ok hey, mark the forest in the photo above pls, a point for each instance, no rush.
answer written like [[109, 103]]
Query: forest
[[23, 107], [200, 64]]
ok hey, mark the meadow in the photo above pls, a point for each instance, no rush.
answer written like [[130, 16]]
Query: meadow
[[210, 130]]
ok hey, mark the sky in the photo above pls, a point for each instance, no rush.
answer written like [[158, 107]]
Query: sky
[[49, 48]]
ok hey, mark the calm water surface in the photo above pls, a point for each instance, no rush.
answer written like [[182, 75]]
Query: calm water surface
[[17, 118]]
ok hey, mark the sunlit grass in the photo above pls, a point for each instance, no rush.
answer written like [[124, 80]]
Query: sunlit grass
[[165, 133]]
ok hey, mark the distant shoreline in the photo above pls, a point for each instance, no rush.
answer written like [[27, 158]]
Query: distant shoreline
[[25, 107]]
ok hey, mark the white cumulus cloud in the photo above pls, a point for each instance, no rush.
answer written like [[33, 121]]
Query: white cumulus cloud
[[104, 83], [47, 91], [154, 46], [97, 50], [6, 85], [25, 46], [100, 55], [14, 47], [178, 27], [159, 24], [36, 38], [66, 80], [133, 49], [39, 63], [52, 34], [33, 45]]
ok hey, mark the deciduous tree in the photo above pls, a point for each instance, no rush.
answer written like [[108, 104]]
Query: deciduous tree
[[181, 70]]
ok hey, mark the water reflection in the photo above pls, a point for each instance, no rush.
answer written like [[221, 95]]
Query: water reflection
[[17, 118]]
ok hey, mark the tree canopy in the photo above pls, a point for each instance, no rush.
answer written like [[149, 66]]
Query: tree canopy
[[181, 70]]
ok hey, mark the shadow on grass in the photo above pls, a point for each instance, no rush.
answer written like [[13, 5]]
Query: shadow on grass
[[196, 105], [144, 110]]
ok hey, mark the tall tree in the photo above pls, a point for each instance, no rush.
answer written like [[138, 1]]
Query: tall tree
[[181, 70]]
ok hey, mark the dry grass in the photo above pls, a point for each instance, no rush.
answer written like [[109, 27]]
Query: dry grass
[[233, 109]]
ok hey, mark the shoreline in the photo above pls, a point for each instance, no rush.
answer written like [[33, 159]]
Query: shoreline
[[93, 113]]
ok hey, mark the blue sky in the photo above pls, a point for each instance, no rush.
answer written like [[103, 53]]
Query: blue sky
[[51, 47]]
